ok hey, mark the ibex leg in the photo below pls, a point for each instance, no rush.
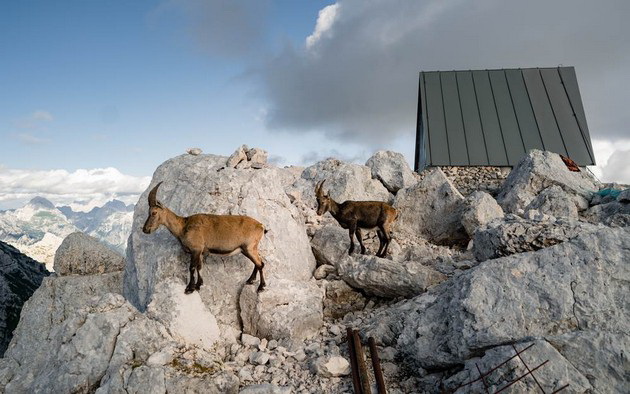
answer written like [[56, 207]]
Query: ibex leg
[[360, 239], [193, 266], [259, 265], [198, 267], [352, 228]]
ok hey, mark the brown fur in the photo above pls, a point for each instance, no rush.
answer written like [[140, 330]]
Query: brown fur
[[202, 233], [357, 215]]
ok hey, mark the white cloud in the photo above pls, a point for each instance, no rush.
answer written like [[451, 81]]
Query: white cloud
[[325, 20], [612, 160], [35, 120], [83, 188], [31, 139], [42, 115]]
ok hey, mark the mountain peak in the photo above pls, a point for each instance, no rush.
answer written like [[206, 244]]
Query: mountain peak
[[41, 202]]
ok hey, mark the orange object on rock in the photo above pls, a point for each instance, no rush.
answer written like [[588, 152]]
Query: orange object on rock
[[570, 164]]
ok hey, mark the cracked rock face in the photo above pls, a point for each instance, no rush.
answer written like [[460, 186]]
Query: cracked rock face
[[581, 284], [516, 235], [431, 209], [200, 184]]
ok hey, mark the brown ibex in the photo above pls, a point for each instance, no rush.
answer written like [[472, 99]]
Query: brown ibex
[[201, 234], [355, 215]]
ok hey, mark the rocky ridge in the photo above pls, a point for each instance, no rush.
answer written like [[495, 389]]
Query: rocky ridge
[[466, 281]]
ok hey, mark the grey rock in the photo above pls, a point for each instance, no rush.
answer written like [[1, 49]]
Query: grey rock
[[554, 375], [250, 340], [198, 184], [239, 155], [392, 170], [341, 299], [20, 276], [516, 235], [579, 284], [555, 202], [613, 214], [257, 158], [331, 366], [330, 244], [259, 358], [601, 356], [194, 151], [387, 278], [431, 209], [480, 209], [285, 310], [344, 181], [323, 271], [624, 196], [81, 254], [536, 172]]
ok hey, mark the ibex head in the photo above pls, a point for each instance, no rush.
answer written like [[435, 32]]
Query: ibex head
[[324, 201], [156, 212]]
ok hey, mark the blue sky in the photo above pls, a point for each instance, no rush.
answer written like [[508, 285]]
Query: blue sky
[[110, 89], [126, 84]]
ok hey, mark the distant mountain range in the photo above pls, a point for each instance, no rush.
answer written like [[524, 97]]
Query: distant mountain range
[[38, 228]]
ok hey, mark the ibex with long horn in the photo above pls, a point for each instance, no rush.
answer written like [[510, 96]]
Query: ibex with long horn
[[357, 215], [201, 234]]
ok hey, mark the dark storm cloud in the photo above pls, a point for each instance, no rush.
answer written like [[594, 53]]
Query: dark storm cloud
[[358, 79]]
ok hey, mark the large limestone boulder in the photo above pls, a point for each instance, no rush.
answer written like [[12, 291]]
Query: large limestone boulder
[[581, 284], [290, 310], [388, 278], [538, 171], [344, 181], [330, 244], [201, 184], [480, 209], [517, 235], [431, 209], [392, 170], [81, 254]]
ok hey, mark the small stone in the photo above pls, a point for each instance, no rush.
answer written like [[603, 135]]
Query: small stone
[[335, 330], [245, 375], [194, 151], [273, 344], [259, 358], [331, 366], [323, 271], [263, 344], [249, 340]]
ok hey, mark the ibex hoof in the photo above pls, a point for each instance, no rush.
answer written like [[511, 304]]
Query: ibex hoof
[[260, 288], [250, 282], [189, 289]]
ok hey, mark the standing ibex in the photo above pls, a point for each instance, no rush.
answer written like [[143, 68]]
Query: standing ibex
[[204, 233], [355, 215]]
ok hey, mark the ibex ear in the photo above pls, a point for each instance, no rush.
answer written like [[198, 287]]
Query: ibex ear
[[159, 204]]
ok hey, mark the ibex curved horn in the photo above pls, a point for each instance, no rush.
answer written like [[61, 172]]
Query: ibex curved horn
[[153, 196], [318, 188]]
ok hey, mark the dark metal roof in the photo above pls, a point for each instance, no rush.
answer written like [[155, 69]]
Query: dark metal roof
[[493, 117]]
